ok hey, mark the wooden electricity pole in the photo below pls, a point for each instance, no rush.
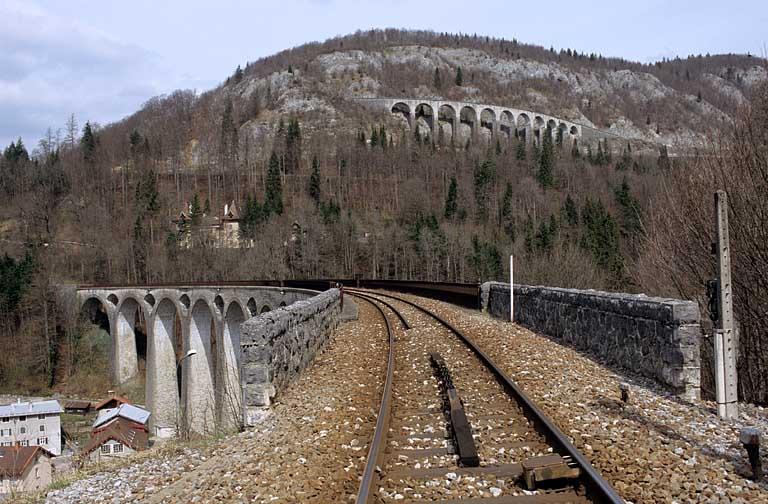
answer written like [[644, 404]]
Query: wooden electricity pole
[[725, 344]]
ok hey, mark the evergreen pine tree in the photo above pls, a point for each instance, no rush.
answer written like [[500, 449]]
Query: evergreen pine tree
[[314, 182], [459, 77], [207, 207], [529, 235], [374, 137], [273, 190], [631, 222], [570, 212], [484, 174], [507, 217], [383, 137], [437, 81], [546, 161], [520, 152], [451, 200], [575, 149], [195, 212], [88, 142]]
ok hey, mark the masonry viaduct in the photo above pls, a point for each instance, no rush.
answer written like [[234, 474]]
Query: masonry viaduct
[[446, 118], [165, 323]]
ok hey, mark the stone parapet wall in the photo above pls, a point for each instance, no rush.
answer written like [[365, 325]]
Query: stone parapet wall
[[655, 337], [278, 345]]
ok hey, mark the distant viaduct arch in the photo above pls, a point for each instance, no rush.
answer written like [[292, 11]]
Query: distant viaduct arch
[[453, 119], [204, 394]]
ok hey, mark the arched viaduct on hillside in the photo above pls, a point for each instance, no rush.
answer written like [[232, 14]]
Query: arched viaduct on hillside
[[163, 324], [443, 117]]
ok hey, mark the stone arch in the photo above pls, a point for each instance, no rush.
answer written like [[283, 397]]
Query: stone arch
[[552, 124], [265, 309], [402, 109], [562, 133], [506, 122], [425, 117], [282, 304], [467, 121], [112, 298], [523, 126], [488, 118], [164, 376], [218, 302], [447, 121], [228, 392], [94, 312], [253, 309], [574, 131], [129, 340], [538, 126], [199, 370]]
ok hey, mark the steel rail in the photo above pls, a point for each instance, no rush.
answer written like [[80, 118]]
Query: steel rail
[[399, 315], [376, 451], [592, 479]]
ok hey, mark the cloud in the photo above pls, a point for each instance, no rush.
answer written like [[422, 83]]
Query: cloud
[[51, 67]]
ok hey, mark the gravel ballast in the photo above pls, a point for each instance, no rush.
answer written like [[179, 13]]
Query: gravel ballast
[[655, 449]]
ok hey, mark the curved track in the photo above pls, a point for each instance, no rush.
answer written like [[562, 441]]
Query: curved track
[[414, 454]]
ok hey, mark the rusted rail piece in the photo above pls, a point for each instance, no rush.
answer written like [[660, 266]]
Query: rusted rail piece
[[461, 430], [599, 489]]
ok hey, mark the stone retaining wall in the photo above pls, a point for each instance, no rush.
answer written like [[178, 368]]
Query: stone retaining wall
[[278, 345], [655, 337]]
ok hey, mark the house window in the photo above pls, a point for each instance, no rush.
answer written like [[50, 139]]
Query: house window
[[5, 432], [105, 448], [41, 417], [22, 419], [37, 472], [118, 448], [24, 443], [6, 443], [6, 419], [42, 441], [22, 430], [42, 428]]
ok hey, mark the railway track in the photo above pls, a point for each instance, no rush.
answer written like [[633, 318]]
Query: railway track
[[452, 427]]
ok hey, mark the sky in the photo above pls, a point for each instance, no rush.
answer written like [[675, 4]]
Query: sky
[[101, 60]]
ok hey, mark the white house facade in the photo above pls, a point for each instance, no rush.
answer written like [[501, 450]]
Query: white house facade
[[32, 424]]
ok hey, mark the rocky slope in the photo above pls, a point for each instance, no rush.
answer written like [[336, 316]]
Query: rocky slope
[[675, 103]]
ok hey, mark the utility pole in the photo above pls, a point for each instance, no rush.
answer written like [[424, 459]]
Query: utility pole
[[511, 288], [725, 344]]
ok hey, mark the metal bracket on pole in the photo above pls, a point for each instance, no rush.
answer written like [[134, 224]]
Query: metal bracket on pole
[[725, 344]]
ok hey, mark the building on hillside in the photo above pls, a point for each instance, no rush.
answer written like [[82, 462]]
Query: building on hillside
[[24, 469], [116, 438], [111, 402], [32, 424], [221, 231], [77, 407], [129, 412]]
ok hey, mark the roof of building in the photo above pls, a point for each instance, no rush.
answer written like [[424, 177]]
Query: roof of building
[[77, 404], [127, 411], [30, 408], [14, 460], [112, 402], [131, 434]]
